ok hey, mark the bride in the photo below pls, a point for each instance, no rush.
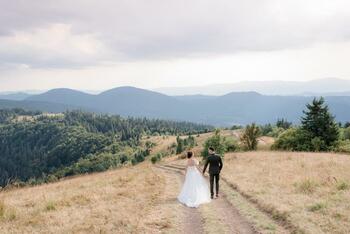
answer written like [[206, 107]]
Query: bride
[[195, 189]]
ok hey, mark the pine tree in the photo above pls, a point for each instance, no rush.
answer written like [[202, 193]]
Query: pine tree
[[320, 125], [180, 145]]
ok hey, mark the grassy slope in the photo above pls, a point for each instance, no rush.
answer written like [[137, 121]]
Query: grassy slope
[[309, 189], [110, 202]]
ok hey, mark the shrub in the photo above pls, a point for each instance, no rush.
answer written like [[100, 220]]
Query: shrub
[[343, 185], [346, 133], [123, 158], [231, 144], [250, 136], [266, 129], [51, 178], [294, 139], [184, 144], [156, 158], [217, 142], [275, 132], [235, 127], [318, 144], [343, 146]]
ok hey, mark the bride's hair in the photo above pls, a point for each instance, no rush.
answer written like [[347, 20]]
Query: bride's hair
[[189, 154]]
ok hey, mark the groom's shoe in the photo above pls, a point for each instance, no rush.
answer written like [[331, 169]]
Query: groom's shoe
[[212, 196], [217, 196]]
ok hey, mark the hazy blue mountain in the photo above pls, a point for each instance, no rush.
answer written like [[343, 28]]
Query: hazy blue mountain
[[225, 110], [127, 101], [325, 94], [319, 86], [39, 105], [14, 96], [63, 96]]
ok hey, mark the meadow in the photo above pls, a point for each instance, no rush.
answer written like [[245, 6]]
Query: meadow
[[309, 191], [115, 201]]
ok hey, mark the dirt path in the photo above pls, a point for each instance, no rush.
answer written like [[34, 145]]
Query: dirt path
[[188, 220], [219, 216]]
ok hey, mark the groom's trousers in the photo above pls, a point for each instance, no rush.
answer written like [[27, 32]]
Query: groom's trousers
[[217, 178]]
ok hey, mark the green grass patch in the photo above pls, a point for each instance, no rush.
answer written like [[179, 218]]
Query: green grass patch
[[50, 206], [317, 207], [307, 186], [343, 185]]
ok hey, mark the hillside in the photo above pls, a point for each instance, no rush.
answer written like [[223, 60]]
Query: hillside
[[37, 105], [37, 147], [225, 110], [283, 193]]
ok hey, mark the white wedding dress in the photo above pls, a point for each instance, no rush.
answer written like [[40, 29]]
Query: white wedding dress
[[195, 190]]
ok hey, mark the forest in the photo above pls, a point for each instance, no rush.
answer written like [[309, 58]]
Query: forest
[[38, 147]]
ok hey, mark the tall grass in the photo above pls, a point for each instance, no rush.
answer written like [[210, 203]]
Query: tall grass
[[2, 208]]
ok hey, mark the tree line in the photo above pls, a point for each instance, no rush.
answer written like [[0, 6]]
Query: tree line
[[44, 147]]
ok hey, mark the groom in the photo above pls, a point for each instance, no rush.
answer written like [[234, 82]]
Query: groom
[[215, 166]]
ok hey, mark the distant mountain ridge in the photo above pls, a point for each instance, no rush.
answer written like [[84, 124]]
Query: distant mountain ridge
[[285, 88], [225, 110], [18, 96]]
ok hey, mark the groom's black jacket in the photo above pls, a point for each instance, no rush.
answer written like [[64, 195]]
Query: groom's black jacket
[[215, 164]]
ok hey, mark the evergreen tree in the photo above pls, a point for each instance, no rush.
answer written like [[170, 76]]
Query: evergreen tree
[[180, 145], [283, 123], [320, 125]]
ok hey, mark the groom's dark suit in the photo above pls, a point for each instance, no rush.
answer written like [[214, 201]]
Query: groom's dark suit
[[215, 166]]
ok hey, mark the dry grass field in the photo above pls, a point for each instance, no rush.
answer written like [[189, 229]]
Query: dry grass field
[[110, 202], [310, 190]]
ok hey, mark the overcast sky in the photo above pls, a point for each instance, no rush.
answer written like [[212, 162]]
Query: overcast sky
[[101, 44]]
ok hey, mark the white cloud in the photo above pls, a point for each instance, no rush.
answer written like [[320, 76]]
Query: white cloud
[[149, 43], [54, 46]]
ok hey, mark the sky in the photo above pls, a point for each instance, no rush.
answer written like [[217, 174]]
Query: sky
[[102, 44]]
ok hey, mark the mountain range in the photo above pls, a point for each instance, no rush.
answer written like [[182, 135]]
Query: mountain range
[[224, 110], [326, 87]]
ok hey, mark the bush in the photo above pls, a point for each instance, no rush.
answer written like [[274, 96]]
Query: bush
[[266, 129], [276, 132], [217, 142], [293, 139], [156, 158], [343, 146], [236, 127], [184, 144], [250, 136], [318, 144], [231, 144], [346, 133]]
